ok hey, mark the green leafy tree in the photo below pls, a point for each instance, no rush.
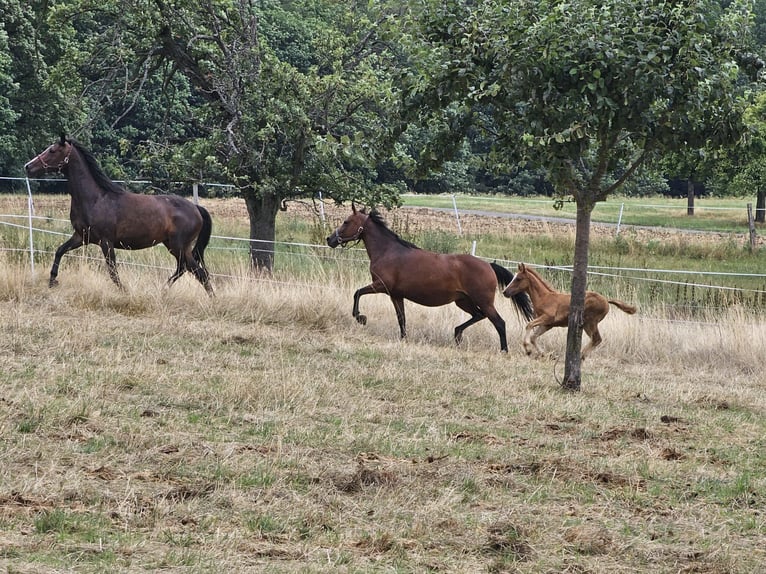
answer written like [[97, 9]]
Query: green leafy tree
[[298, 101], [32, 104], [590, 89], [748, 168], [8, 87], [280, 99]]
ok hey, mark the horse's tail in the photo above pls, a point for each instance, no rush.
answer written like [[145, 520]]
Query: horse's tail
[[629, 309], [520, 300], [204, 236]]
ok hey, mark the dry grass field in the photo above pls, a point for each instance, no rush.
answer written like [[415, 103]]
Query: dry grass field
[[263, 430]]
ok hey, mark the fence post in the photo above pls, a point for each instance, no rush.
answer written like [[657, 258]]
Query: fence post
[[195, 192], [321, 208], [457, 215], [30, 214], [619, 218], [751, 226]]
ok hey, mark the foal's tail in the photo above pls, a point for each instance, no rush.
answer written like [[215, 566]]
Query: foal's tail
[[204, 236], [520, 300], [629, 309]]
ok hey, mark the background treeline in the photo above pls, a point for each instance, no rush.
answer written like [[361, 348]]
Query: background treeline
[[92, 70]]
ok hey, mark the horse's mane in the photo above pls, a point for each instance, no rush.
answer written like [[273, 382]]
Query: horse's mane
[[102, 180], [538, 277], [378, 220]]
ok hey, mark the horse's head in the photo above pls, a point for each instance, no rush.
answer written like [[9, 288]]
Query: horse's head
[[520, 282], [350, 230], [52, 159]]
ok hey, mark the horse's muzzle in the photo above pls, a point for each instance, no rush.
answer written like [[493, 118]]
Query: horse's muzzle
[[333, 240], [32, 168], [510, 291]]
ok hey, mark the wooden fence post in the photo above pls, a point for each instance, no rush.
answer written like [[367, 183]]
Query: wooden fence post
[[751, 226]]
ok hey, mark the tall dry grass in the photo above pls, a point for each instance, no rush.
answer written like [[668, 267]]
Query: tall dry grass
[[264, 430]]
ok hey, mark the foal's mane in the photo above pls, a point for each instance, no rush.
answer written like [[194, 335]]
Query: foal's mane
[[102, 180], [378, 220], [535, 275]]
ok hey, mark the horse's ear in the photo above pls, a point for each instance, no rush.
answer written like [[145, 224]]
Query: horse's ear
[[353, 207], [521, 267], [63, 138]]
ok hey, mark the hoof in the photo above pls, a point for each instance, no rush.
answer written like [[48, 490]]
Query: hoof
[[361, 319], [53, 283]]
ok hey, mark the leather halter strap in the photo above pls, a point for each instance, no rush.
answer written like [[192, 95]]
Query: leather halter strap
[[62, 163], [355, 237]]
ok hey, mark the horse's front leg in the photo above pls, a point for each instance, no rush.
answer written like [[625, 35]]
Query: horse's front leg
[[72, 243], [399, 308], [362, 319], [539, 330], [107, 248], [532, 331]]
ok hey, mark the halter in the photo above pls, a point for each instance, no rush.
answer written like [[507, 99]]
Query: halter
[[356, 237], [60, 167]]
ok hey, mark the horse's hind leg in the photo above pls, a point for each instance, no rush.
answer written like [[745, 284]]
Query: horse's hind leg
[[595, 340], [72, 243], [111, 262], [476, 316], [499, 324], [180, 268], [203, 277], [197, 268]]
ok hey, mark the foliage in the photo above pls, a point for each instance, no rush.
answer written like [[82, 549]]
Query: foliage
[[33, 102], [591, 90]]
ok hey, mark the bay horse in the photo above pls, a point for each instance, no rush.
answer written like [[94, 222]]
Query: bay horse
[[402, 271], [552, 309], [108, 215]]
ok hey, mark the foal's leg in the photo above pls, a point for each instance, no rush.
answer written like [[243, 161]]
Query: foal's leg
[[539, 330], [111, 261], [532, 331], [72, 243], [595, 340]]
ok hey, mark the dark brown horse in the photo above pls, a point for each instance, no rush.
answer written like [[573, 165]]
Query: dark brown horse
[[552, 309], [402, 271], [107, 215]]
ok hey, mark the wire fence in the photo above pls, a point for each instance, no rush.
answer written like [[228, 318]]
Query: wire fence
[[43, 231]]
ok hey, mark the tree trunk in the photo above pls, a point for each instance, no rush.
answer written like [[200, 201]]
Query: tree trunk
[[262, 209], [760, 206], [689, 197], [573, 360]]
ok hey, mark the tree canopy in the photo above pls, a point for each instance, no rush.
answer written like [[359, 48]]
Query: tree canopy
[[592, 90]]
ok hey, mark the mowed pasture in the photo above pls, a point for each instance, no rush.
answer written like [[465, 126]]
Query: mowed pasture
[[264, 430]]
